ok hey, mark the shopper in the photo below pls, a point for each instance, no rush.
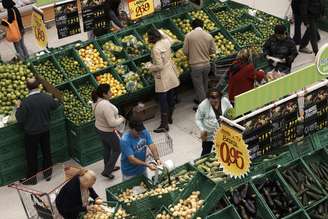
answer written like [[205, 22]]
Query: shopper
[[242, 75], [73, 197], [207, 117], [311, 12], [107, 119], [12, 15], [199, 46], [134, 145], [112, 11], [33, 113], [280, 50], [165, 76]]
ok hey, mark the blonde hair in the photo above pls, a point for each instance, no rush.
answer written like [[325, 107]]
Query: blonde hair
[[87, 177], [243, 55]]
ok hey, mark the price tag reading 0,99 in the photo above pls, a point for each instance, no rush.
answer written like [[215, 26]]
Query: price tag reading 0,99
[[140, 8], [232, 152]]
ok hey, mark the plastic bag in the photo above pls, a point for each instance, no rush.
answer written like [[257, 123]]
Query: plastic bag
[[12, 117], [273, 75]]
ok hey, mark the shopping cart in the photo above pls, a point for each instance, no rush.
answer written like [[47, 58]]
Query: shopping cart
[[39, 200]]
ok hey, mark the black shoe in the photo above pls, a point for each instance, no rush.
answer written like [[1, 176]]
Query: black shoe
[[47, 174], [116, 168], [161, 130], [305, 50], [195, 108], [111, 176]]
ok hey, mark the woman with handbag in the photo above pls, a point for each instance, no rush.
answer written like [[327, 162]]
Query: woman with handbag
[[15, 28], [165, 75], [107, 120]]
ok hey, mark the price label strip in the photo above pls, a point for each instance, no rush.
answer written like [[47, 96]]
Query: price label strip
[[39, 28], [232, 152], [140, 8]]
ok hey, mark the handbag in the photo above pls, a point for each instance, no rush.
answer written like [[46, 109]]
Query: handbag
[[12, 30]]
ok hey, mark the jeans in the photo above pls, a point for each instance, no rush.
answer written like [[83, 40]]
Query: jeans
[[31, 152], [114, 18], [21, 49], [199, 78], [166, 101], [297, 31], [112, 150], [207, 147], [311, 35]]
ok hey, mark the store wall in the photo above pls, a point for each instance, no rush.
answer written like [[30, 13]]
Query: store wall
[[279, 8]]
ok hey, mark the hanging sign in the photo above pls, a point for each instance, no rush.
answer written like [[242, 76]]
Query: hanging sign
[[39, 28], [232, 152], [140, 8], [67, 19]]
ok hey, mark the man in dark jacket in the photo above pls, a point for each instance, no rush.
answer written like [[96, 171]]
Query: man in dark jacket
[[33, 113], [311, 11], [73, 197], [281, 47]]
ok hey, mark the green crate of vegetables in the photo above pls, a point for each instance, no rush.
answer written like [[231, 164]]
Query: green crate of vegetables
[[301, 214], [319, 211], [320, 138], [229, 212], [301, 148]]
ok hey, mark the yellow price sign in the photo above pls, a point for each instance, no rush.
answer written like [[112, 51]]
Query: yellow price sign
[[39, 28], [232, 152], [140, 8]]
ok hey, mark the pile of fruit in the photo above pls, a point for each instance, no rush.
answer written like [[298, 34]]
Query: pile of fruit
[[145, 73], [208, 24], [183, 24], [216, 5], [210, 166], [113, 52], [92, 58], [129, 195], [49, 72], [181, 61], [71, 67], [85, 91], [167, 32], [224, 46], [132, 81], [134, 47], [228, 19], [187, 208], [121, 69], [116, 87], [74, 109], [179, 179], [12, 85], [248, 38], [99, 212]]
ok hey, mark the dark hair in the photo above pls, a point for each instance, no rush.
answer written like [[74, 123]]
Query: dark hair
[[32, 83], [197, 23], [8, 4], [154, 35], [280, 29], [213, 90], [100, 91]]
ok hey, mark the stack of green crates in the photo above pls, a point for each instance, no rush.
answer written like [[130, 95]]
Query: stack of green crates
[[12, 150]]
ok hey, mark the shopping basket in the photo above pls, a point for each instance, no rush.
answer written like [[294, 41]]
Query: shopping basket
[[163, 142]]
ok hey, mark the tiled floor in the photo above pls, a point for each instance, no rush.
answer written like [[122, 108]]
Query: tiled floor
[[183, 131]]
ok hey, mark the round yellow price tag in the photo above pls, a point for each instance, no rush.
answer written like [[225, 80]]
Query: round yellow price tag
[[232, 152]]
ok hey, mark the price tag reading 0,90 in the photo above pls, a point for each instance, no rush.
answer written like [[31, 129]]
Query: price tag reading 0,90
[[140, 8], [232, 152]]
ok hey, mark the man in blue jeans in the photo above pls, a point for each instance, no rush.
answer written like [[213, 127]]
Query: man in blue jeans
[[134, 144]]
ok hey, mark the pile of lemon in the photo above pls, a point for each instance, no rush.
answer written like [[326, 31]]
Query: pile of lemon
[[116, 87], [92, 58]]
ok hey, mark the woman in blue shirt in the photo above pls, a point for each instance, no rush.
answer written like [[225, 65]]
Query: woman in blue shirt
[[134, 144]]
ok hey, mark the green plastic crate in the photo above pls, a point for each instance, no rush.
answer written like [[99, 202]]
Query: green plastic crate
[[228, 213], [303, 165], [320, 139], [57, 114], [83, 81], [111, 204], [141, 214], [262, 210], [106, 38], [71, 53], [249, 28], [42, 59], [301, 214], [113, 192], [13, 174], [77, 135], [301, 148], [274, 177], [89, 152], [313, 209], [169, 25]]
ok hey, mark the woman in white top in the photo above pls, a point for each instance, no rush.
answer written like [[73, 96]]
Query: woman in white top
[[207, 117], [107, 119]]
